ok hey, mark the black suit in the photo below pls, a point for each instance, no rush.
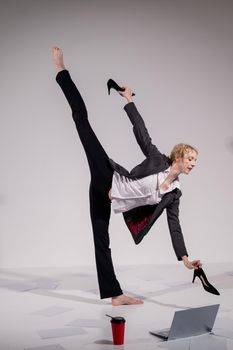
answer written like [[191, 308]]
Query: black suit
[[155, 161], [141, 219]]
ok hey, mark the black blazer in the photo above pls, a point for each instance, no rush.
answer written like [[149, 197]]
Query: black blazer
[[139, 220]]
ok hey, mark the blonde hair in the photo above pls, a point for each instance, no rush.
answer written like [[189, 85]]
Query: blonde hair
[[180, 150]]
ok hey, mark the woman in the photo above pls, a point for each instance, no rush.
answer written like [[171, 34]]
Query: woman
[[108, 178]]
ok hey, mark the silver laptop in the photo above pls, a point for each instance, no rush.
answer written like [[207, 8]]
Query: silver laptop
[[190, 322]]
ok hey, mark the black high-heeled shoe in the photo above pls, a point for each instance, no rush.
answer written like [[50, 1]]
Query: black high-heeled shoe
[[111, 84], [206, 284]]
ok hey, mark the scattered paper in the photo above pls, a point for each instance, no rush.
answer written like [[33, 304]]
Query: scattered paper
[[93, 291], [181, 344], [47, 347], [18, 286], [208, 342], [52, 311], [25, 286], [223, 327], [60, 332], [89, 323], [203, 342], [45, 283]]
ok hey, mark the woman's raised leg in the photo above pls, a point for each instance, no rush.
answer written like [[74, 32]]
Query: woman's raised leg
[[101, 178]]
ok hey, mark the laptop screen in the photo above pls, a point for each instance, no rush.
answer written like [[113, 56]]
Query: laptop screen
[[191, 322]]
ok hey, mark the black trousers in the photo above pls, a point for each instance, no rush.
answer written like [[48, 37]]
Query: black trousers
[[101, 180]]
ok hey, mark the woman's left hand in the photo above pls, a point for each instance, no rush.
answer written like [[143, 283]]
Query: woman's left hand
[[195, 264], [127, 93]]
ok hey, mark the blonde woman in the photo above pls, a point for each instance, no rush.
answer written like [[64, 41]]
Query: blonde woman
[[141, 194]]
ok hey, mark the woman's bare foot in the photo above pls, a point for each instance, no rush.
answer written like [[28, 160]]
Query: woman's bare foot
[[125, 300], [58, 59]]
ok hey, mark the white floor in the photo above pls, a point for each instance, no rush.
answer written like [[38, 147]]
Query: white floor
[[55, 309]]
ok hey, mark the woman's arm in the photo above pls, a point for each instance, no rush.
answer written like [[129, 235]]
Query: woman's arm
[[140, 131], [175, 229], [177, 236]]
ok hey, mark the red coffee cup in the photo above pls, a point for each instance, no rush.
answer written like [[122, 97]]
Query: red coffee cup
[[118, 330]]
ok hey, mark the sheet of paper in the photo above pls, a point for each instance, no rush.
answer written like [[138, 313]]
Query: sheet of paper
[[230, 273], [178, 284], [89, 323], [223, 327], [19, 286], [47, 347], [149, 277], [24, 286], [60, 332], [229, 344], [93, 291], [45, 283], [52, 311], [208, 342], [181, 344]]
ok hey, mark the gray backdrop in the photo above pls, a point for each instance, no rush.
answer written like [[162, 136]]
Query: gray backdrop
[[177, 55]]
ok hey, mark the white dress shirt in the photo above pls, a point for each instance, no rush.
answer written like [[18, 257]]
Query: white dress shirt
[[127, 193]]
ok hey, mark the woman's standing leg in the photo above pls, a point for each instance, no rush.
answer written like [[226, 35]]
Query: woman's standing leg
[[101, 178], [100, 211]]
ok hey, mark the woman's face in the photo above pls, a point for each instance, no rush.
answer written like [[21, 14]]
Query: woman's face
[[188, 162]]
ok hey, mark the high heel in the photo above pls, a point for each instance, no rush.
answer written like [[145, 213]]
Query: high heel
[[205, 283], [111, 84]]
